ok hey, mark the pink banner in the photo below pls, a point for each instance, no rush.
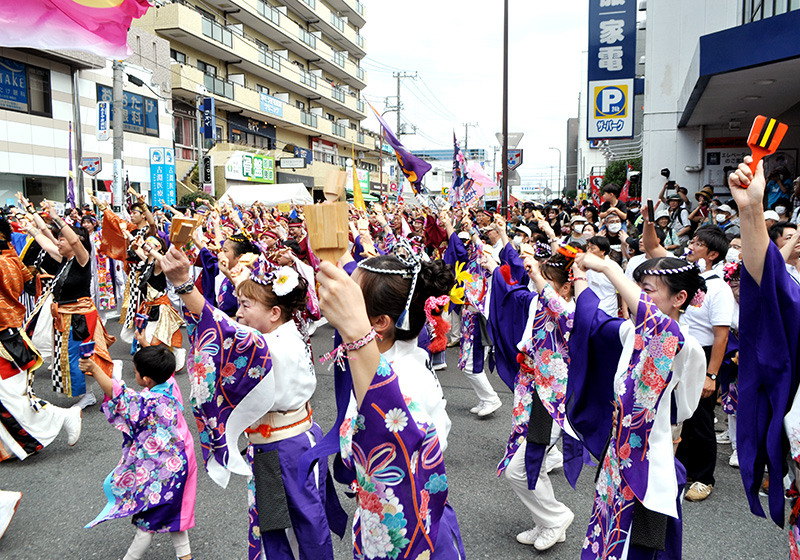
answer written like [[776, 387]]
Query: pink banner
[[96, 26]]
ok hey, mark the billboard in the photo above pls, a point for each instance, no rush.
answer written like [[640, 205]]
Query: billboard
[[612, 69]]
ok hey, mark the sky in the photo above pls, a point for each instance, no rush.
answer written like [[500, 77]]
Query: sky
[[456, 47]]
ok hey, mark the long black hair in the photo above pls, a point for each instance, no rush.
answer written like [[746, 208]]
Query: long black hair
[[676, 274]]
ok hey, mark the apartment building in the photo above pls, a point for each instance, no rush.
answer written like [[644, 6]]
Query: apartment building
[[286, 82]]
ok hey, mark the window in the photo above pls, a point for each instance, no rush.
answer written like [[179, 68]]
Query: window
[[185, 128], [246, 138], [177, 56], [206, 68], [300, 105], [25, 88], [262, 89], [330, 117]]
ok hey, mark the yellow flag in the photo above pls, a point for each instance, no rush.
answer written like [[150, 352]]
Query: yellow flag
[[358, 196]]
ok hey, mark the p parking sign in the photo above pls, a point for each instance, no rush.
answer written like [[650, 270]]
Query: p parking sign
[[611, 114]]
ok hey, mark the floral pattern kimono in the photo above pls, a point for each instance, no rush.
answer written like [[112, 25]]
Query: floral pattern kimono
[[639, 468], [105, 279], [544, 361], [401, 482], [156, 479]]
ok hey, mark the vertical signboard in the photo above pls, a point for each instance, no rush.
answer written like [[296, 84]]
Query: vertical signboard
[[612, 66], [162, 176], [103, 120]]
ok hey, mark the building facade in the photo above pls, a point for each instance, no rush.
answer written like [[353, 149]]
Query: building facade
[[712, 67], [285, 78]]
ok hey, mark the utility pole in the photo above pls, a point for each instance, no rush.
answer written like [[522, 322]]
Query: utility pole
[[466, 137], [119, 168], [559, 171], [399, 76]]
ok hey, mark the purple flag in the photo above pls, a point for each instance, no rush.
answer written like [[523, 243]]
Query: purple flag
[[71, 182], [413, 167], [459, 173]]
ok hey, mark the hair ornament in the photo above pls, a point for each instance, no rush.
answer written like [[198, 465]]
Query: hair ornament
[[669, 271], [698, 298], [731, 269]]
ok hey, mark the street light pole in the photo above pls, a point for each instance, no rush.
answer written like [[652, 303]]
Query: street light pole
[[558, 181], [504, 190]]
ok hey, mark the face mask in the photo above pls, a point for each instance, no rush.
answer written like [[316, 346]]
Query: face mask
[[634, 210], [614, 228], [733, 255], [781, 210], [517, 240], [588, 234], [721, 218], [578, 228]]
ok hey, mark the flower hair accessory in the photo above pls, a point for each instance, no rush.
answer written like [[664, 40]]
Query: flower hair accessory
[[730, 269], [437, 304], [285, 280], [698, 298]]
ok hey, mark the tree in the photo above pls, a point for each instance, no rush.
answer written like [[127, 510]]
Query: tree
[[617, 170]]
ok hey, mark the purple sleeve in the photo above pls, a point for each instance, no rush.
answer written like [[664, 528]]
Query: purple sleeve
[[456, 252], [509, 256], [208, 275], [769, 340]]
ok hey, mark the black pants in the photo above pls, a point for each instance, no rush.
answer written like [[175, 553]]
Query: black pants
[[698, 448]]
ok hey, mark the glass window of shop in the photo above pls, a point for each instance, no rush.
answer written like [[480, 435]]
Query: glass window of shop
[[25, 88], [249, 139], [34, 188]]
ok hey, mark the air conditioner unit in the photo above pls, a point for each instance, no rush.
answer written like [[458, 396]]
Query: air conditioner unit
[[643, 5], [642, 24]]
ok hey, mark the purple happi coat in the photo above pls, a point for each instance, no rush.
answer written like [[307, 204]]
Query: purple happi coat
[[156, 479], [232, 387], [400, 481]]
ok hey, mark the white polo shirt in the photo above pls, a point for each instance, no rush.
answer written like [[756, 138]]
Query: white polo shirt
[[717, 309], [604, 289]]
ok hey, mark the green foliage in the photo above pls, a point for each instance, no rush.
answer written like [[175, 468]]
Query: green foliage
[[617, 171], [188, 199]]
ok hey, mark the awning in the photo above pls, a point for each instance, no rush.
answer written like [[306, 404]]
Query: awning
[[270, 195], [742, 72]]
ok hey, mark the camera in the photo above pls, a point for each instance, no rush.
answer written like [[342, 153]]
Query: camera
[[665, 173], [670, 185]]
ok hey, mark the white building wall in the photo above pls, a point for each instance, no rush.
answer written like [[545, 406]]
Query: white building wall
[[674, 28]]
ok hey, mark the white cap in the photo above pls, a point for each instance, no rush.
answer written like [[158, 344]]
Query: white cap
[[464, 235], [772, 215], [661, 213], [524, 229], [725, 208]]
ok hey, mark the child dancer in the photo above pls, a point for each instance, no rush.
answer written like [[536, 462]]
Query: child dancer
[[156, 479]]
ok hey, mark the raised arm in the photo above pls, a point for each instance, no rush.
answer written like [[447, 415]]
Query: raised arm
[[628, 290], [747, 190], [176, 267]]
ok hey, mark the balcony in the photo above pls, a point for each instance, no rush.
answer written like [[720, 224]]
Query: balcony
[[308, 79], [337, 22], [307, 38], [217, 33], [218, 86], [338, 94], [311, 4], [339, 58], [338, 130], [360, 137], [308, 119], [269, 59], [360, 105], [354, 10], [269, 12]]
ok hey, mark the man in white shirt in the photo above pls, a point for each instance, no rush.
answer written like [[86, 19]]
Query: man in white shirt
[[710, 325], [599, 283], [784, 235]]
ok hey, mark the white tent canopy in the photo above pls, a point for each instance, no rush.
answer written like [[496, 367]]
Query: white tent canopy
[[270, 195]]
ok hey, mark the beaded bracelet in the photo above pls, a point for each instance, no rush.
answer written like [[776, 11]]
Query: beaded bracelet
[[339, 354]]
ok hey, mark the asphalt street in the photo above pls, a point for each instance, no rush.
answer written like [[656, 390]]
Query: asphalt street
[[62, 490]]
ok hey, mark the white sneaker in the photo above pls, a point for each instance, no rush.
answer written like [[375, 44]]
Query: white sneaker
[[489, 407], [554, 459], [724, 438], [72, 424], [529, 536], [87, 399], [734, 460], [475, 409], [8, 506], [437, 367], [548, 536]]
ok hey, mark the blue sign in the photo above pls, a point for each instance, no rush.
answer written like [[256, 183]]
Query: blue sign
[[271, 105], [612, 39], [139, 113], [13, 85], [162, 176], [209, 128], [612, 68], [305, 153]]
